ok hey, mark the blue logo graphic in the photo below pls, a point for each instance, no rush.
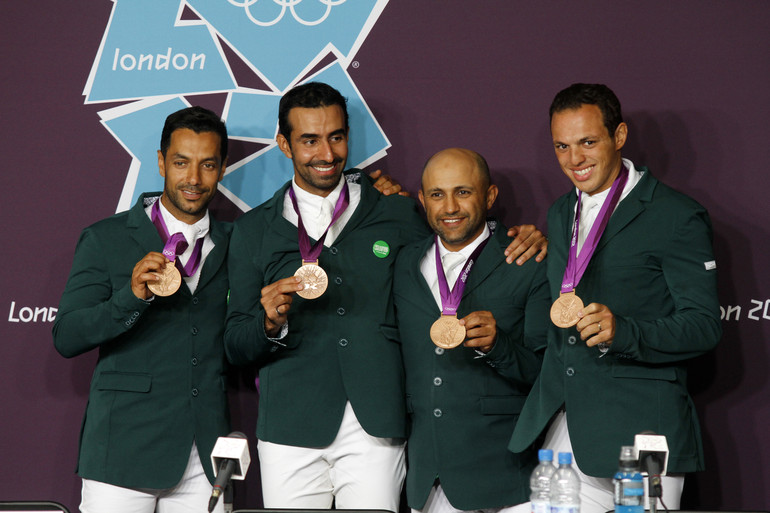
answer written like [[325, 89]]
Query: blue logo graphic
[[157, 54]]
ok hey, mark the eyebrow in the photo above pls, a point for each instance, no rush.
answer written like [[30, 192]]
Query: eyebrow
[[214, 158], [456, 187], [339, 131]]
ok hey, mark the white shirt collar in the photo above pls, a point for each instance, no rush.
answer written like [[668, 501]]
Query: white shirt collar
[[634, 175], [467, 251], [312, 202], [191, 231]]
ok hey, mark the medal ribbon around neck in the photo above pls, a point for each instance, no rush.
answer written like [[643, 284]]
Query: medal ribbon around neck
[[564, 312], [447, 332], [312, 276], [311, 252], [176, 244], [450, 299]]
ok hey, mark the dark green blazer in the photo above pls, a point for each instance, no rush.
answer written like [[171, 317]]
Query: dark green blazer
[[336, 349], [159, 381], [463, 407], [654, 268]]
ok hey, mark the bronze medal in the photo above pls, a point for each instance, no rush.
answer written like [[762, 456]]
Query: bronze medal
[[447, 332], [314, 279], [169, 282], [564, 312]]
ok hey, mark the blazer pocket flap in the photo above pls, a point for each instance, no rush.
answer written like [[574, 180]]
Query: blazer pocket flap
[[641, 372], [390, 332], [124, 381], [502, 405]]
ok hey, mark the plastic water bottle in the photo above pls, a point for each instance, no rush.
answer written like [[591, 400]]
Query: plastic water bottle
[[540, 482], [629, 487], [565, 487]]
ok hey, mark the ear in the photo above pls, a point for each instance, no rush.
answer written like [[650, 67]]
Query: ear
[[491, 196], [621, 132], [161, 164], [222, 170], [421, 197], [284, 145]]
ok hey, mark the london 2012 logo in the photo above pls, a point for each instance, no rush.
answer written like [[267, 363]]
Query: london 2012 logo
[[156, 56]]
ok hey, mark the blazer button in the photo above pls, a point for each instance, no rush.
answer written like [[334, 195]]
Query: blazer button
[[195, 392], [437, 381], [194, 361], [570, 371], [195, 301], [439, 350], [437, 413], [571, 340], [338, 280], [333, 250], [194, 330], [343, 342], [340, 311]]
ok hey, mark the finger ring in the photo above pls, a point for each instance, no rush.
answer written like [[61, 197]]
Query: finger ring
[[600, 326], [276, 311]]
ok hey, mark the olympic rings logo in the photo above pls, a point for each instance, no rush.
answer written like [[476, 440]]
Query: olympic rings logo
[[290, 4]]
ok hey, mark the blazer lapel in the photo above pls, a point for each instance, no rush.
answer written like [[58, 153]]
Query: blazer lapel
[[141, 228], [421, 289], [216, 258], [369, 198], [490, 258], [633, 205]]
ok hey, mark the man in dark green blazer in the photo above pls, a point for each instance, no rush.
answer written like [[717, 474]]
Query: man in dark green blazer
[[463, 402], [331, 410], [157, 401], [650, 297]]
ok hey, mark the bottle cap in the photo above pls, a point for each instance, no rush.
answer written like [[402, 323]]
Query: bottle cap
[[545, 455], [565, 458], [628, 458]]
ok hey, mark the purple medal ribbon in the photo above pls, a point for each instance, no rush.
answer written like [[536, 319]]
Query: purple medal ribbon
[[176, 244], [311, 252], [577, 264], [450, 300]]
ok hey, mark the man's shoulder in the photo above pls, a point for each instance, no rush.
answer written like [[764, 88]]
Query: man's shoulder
[[665, 195], [114, 225]]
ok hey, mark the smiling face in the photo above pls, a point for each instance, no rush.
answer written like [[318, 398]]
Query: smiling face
[[587, 153], [192, 167], [456, 195], [317, 146]]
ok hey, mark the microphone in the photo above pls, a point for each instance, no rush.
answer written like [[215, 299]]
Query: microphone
[[230, 459], [652, 453]]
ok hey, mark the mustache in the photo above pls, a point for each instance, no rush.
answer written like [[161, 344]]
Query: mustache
[[192, 188], [325, 162]]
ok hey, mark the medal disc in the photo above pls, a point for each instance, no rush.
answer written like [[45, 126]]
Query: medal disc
[[564, 312], [170, 280], [447, 332], [314, 279]]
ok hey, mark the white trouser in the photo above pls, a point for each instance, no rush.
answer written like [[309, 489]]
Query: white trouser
[[438, 503], [190, 495], [357, 471], [596, 493]]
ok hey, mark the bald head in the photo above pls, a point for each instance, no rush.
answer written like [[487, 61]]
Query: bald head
[[457, 157], [457, 194]]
